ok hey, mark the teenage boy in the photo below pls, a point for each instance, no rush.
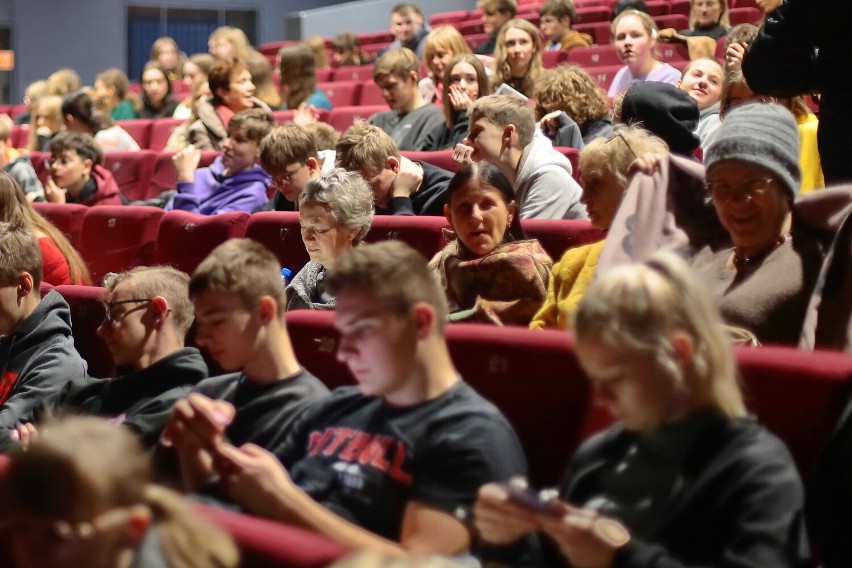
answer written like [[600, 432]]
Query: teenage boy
[[502, 131], [234, 182], [556, 19], [346, 48], [495, 13], [19, 166], [400, 186], [408, 29], [392, 464], [37, 355], [290, 156], [410, 119], [239, 310], [147, 316]]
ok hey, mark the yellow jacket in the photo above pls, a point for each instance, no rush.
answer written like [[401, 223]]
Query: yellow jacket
[[809, 154], [568, 282]]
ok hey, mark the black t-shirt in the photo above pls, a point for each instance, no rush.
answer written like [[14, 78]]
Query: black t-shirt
[[365, 460], [264, 412], [429, 199]]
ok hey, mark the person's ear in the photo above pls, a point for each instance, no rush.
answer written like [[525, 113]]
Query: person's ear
[[26, 284], [313, 165], [267, 308], [513, 210], [88, 164], [683, 348], [448, 216], [161, 306], [507, 134], [221, 93], [393, 163], [414, 76], [424, 319]]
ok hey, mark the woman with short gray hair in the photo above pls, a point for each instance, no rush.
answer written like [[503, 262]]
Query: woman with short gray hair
[[335, 214]]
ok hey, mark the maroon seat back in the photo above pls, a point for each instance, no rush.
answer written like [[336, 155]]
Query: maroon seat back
[[594, 56], [604, 74], [593, 14], [87, 313], [185, 239], [161, 131], [164, 175], [424, 234], [550, 59], [342, 118], [600, 31], [673, 20], [279, 232], [573, 156], [132, 171], [441, 158], [342, 93], [115, 238], [139, 129], [361, 73], [558, 235], [371, 94], [68, 218], [315, 341]]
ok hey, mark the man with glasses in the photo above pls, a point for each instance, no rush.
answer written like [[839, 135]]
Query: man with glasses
[[147, 316], [37, 355]]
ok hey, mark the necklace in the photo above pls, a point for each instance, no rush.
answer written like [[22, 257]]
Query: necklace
[[742, 261]]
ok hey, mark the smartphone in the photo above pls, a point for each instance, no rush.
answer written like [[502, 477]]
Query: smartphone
[[545, 501]]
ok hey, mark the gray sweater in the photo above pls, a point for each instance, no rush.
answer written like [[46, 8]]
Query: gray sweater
[[544, 187], [410, 130]]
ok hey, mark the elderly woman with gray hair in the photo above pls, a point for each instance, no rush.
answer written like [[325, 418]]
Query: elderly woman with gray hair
[[335, 214]]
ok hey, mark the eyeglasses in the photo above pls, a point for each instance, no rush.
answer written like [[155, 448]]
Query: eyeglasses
[[724, 192], [619, 134], [286, 178], [110, 317]]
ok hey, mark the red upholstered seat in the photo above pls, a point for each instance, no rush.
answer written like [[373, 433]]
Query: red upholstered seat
[[448, 18], [673, 53], [746, 15], [424, 234], [342, 93], [658, 7], [342, 118], [475, 40], [371, 94], [680, 7], [673, 20], [116, 238], [604, 75], [601, 31], [573, 156], [362, 73], [20, 135], [133, 171], [161, 130], [550, 59], [279, 232], [593, 14], [471, 26], [441, 158], [315, 342], [185, 239], [140, 129], [39, 162], [594, 56], [68, 218], [268, 544], [164, 176], [559, 235], [87, 313]]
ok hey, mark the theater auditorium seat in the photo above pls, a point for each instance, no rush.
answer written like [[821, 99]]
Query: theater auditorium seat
[[595, 55], [315, 342], [68, 218], [423, 234], [440, 158], [132, 171], [87, 313], [342, 93], [161, 131], [185, 239], [558, 235], [139, 129], [279, 232], [164, 176], [600, 31], [268, 544], [361, 73], [115, 238], [573, 156], [342, 118]]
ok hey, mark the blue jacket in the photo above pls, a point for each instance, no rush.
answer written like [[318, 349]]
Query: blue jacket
[[212, 192]]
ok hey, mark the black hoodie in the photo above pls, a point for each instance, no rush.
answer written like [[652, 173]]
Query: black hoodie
[[141, 400], [35, 363]]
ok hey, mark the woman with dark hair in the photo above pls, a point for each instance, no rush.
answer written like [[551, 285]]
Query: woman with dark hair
[[76, 173], [299, 78], [490, 271], [232, 90], [465, 80], [80, 116], [61, 263], [157, 98]]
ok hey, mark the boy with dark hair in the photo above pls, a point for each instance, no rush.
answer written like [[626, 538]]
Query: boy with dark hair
[[77, 174], [147, 316], [502, 131], [388, 465], [346, 49], [37, 355], [495, 13], [400, 186], [410, 119], [556, 19], [234, 182], [239, 309]]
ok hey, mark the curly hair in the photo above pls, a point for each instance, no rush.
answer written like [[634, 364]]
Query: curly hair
[[347, 196], [570, 88]]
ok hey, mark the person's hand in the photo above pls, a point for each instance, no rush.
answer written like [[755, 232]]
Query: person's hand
[[735, 53], [459, 99], [254, 478], [53, 193], [585, 538], [646, 164], [498, 520], [408, 179], [306, 115], [768, 5], [462, 155], [185, 162], [549, 122], [195, 430], [25, 434]]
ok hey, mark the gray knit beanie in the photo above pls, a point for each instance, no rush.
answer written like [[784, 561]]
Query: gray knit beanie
[[762, 134]]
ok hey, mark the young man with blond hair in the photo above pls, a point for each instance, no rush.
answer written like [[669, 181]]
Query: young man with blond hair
[[502, 131], [495, 13], [400, 186], [239, 309], [410, 119], [392, 464]]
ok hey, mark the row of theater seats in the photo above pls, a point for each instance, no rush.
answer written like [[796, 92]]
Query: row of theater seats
[[146, 173], [117, 238]]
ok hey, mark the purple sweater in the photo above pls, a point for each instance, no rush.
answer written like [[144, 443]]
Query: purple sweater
[[212, 192]]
